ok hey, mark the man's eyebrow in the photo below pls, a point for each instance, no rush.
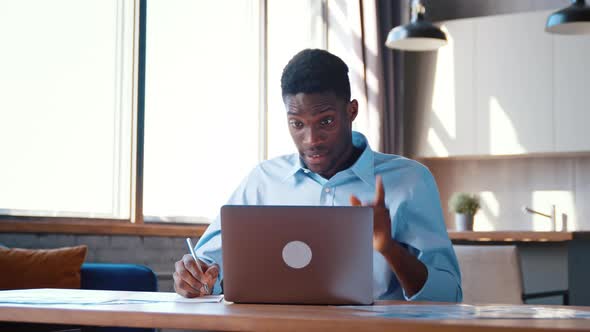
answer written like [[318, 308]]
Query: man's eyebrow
[[323, 110], [326, 109]]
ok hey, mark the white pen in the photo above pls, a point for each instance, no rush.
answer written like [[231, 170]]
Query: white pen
[[190, 246]]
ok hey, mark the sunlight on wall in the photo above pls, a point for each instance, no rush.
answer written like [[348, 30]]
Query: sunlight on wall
[[564, 203], [372, 118], [436, 144], [443, 100], [489, 212], [503, 135], [345, 41], [338, 17], [302, 22]]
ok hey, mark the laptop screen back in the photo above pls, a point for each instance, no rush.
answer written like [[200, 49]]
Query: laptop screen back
[[297, 254]]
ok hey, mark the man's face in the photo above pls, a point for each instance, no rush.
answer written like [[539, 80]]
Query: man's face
[[321, 127]]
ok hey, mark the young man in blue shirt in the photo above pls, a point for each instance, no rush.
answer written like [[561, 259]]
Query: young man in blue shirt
[[413, 257]]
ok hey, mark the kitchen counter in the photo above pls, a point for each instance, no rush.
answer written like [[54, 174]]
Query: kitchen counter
[[517, 236]]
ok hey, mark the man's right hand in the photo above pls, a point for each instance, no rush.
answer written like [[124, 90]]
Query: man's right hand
[[187, 277]]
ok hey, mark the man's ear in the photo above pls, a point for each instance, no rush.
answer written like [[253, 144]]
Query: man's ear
[[352, 109]]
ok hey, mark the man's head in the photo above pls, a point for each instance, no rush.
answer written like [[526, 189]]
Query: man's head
[[316, 93]]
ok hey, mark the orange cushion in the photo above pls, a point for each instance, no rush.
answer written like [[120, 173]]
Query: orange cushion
[[41, 268]]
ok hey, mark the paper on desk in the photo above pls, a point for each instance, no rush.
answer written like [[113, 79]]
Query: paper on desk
[[466, 311], [95, 297]]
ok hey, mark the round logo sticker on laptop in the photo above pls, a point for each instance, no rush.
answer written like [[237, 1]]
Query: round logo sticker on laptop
[[297, 254]]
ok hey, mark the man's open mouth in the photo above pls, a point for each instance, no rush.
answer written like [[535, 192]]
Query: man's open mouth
[[316, 158]]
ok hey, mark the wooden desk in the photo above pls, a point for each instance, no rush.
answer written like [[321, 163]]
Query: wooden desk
[[223, 316]]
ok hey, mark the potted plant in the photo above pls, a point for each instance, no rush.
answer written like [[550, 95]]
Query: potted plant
[[465, 206]]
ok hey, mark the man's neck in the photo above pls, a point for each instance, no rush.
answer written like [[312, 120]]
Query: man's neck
[[354, 156]]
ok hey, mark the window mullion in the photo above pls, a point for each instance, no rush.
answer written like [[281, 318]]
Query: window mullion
[[263, 83], [139, 118]]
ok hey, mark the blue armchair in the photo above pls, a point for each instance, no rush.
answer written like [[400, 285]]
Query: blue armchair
[[130, 277]]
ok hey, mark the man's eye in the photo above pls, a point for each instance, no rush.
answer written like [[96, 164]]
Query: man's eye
[[326, 121], [296, 124]]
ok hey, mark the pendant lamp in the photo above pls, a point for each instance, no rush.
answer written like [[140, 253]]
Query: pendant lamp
[[418, 35], [572, 20]]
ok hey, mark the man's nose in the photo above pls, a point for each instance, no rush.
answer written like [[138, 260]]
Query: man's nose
[[312, 137]]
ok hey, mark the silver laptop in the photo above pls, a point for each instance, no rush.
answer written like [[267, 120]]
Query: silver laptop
[[297, 254]]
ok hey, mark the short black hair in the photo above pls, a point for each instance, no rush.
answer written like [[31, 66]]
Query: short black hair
[[315, 71]]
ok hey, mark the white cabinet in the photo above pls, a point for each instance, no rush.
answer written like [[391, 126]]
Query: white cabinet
[[504, 86], [571, 93], [447, 127], [514, 83]]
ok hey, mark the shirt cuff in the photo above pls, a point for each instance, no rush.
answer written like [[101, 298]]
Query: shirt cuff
[[217, 287], [438, 287]]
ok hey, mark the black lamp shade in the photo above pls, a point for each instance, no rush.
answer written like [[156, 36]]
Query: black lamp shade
[[572, 20], [416, 36]]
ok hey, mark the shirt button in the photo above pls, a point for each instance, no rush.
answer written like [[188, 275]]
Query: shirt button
[[306, 171], [327, 190]]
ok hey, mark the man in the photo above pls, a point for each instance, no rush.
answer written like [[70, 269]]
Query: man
[[413, 257]]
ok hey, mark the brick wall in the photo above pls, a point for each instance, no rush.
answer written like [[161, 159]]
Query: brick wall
[[158, 253]]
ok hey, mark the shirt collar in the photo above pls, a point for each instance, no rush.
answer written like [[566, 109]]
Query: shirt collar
[[363, 167], [298, 165]]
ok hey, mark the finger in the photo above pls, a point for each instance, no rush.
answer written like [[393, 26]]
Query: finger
[[379, 192], [354, 201], [212, 271], [190, 273], [204, 266], [189, 279], [190, 262], [183, 288], [191, 266], [211, 274]]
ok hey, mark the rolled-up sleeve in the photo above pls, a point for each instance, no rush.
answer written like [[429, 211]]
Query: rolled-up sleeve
[[440, 286], [423, 229]]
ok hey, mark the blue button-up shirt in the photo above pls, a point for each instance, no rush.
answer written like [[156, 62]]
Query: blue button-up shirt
[[411, 196]]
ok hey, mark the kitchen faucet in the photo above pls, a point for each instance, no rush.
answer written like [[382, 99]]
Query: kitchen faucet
[[526, 209], [551, 216]]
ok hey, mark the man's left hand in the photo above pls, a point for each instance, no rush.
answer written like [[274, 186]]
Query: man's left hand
[[382, 241]]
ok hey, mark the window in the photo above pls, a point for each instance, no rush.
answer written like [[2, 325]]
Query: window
[[292, 26], [65, 107]]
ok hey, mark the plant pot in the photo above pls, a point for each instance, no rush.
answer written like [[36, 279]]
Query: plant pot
[[463, 222]]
